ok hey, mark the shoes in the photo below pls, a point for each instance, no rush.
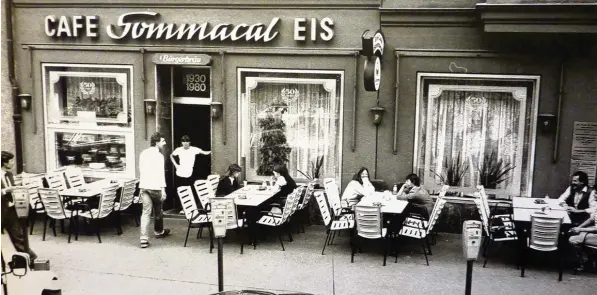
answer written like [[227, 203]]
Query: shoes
[[144, 244], [164, 234]]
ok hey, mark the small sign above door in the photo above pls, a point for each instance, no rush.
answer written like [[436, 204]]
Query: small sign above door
[[192, 82], [181, 59]]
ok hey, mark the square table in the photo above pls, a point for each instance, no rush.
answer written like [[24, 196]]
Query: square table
[[524, 214], [389, 203], [529, 203], [251, 195]]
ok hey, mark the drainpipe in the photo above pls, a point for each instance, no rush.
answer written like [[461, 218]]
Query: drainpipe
[[16, 105]]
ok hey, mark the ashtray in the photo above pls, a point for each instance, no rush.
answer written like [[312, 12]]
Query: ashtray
[[540, 201], [113, 181], [242, 197], [376, 203], [261, 188], [82, 190]]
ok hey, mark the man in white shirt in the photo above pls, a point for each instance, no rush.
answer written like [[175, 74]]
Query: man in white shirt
[[186, 155], [577, 198], [152, 185]]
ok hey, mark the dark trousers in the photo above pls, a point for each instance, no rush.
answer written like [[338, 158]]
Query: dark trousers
[[14, 228]]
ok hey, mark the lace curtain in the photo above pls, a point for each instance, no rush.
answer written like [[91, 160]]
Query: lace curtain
[[474, 124], [311, 117], [100, 94]]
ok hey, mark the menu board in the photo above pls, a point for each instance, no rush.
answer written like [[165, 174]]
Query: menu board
[[192, 82], [584, 149]]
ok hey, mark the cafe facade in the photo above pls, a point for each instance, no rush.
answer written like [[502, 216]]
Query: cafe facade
[[459, 82]]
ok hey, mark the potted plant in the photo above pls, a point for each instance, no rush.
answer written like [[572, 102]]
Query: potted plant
[[274, 148], [493, 171], [453, 171], [313, 175]]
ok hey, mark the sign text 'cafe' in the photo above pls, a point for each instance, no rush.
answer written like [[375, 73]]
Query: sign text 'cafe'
[[138, 25]]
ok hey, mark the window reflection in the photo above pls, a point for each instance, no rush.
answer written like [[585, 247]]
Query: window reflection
[[98, 152]]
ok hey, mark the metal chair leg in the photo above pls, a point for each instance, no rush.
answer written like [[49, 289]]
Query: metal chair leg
[[45, 227], [187, 236], [280, 238], [98, 230], [354, 249], [385, 251], [326, 241], [54, 226], [32, 220], [424, 251], [70, 229]]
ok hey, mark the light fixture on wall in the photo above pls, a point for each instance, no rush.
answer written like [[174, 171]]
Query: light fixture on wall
[[150, 105], [25, 101], [377, 113], [216, 109], [547, 122]]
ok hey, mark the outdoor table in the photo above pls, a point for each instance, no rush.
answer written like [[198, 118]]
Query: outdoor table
[[91, 189], [389, 203], [251, 195], [529, 203], [524, 214]]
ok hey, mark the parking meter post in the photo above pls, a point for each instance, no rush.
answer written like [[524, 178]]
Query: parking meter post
[[469, 277], [220, 265], [472, 231]]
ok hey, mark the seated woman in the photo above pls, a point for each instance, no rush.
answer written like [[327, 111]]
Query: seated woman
[[358, 187], [229, 183], [283, 186], [412, 192]]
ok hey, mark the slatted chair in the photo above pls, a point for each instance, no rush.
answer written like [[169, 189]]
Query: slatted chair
[[74, 177], [545, 235], [333, 196], [303, 210], [37, 207], [499, 227], [213, 180], [127, 195], [197, 218], [137, 204], [204, 192], [105, 207], [279, 221], [55, 210], [331, 225], [416, 225], [233, 220], [56, 180], [369, 225]]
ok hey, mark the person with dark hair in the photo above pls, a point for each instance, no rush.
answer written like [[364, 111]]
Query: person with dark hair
[[576, 198], [229, 182], [414, 193], [358, 187], [152, 186], [10, 221], [186, 161], [283, 184]]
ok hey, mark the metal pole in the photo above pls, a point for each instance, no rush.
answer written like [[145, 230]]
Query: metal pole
[[220, 265], [469, 276]]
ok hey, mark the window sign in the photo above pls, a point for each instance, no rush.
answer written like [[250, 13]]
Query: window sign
[[192, 82]]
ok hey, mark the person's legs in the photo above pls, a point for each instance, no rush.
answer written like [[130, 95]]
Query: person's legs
[[158, 213], [577, 243], [146, 214], [14, 228]]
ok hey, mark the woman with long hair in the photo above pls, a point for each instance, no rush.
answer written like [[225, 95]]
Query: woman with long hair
[[229, 182], [284, 184], [358, 187]]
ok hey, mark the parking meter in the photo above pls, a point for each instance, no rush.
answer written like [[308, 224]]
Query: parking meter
[[20, 197], [219, 214], [472, 232]]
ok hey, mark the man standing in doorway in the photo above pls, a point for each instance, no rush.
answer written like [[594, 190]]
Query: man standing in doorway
[[186, 161], [152, 185]]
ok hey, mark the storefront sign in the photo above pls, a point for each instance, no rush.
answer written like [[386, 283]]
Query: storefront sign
[[181, 59], [192, 82], [139, 25], [584, 149], [373, 45]]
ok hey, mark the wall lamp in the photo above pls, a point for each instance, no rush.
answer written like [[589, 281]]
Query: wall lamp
[[150, 105], [377, 113], [216, 109], [25, 101]]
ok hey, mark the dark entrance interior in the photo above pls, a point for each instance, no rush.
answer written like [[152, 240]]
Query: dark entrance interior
[[194, 121]]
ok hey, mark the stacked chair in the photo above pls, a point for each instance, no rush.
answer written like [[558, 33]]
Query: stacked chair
[[281, 221], [105, 208], [545, 235], [197, 218], [332, 223], [369, 225], [127, 196]]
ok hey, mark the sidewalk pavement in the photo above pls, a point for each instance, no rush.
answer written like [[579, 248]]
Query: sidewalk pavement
[[120, 266]]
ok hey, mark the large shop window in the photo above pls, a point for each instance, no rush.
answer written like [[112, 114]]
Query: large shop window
[[88, 118], [293, 117], [476, 129]]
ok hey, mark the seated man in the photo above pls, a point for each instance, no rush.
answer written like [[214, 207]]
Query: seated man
[[415, 194], [584, 234], [576, 198]]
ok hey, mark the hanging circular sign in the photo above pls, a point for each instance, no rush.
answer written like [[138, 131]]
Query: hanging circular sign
[[372, 75], [373, 43]]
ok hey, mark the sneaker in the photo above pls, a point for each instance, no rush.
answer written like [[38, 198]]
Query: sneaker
[[164, 234], [144, 244]]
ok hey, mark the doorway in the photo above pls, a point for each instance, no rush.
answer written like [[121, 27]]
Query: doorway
[[195, 122]]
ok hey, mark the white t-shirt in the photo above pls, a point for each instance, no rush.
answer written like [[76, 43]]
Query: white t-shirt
[[186, 160]]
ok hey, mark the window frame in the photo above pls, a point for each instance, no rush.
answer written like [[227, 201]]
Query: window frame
[[535, 79], [50, 129], [242, 108]]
